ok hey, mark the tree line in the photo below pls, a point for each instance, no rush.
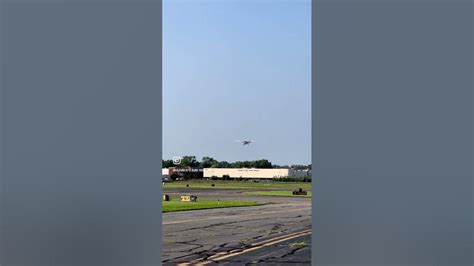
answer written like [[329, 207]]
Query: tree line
[[209, 162]]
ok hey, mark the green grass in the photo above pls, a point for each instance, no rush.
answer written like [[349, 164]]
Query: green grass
[[298, 244], [177, 205], [235, 185], [276, 193]]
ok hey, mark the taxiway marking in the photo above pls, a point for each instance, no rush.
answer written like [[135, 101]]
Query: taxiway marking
[[225, 255], [233, 216]]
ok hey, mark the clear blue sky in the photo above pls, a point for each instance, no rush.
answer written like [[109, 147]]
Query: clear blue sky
[[237, 70]]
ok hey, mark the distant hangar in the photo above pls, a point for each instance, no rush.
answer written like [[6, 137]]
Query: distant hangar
[[234, 173], [257, 173]]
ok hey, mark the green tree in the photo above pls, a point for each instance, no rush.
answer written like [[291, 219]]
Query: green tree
[[208, 162], [188, 161], [167, 163], [263, 163], [223, 164]]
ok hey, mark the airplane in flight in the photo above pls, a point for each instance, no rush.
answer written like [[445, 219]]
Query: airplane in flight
[[245, 142]]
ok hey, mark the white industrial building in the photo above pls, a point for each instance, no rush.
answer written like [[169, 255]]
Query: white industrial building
[[257, 173]]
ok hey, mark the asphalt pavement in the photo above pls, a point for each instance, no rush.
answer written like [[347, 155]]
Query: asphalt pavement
[[274, 234]]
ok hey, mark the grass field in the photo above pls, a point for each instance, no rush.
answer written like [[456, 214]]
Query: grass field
[[176, 205], [276, 193], [235, 185]]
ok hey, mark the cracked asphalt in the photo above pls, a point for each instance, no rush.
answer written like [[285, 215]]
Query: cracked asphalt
[[253, 235]]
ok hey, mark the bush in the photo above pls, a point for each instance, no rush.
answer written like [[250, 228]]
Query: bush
[[174, 176], [214, 178], [292, 179]]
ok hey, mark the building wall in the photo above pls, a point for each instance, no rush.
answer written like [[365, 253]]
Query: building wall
[[246, 172], [167, 171], [298, 173]]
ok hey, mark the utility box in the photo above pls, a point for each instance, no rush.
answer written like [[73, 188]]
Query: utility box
[[166, 197], [189, 198], [185, 198]]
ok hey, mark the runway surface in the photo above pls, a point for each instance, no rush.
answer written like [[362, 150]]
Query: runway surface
[[275, 234]]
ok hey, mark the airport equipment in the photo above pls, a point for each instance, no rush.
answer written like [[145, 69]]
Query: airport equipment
[[300, 191], [166, 197], [189, 198]]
